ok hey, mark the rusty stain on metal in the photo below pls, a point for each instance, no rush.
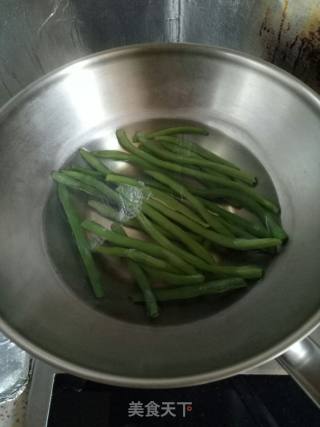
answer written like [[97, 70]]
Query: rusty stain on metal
[[309, 40], [309, 50], [265, 23], [295, 49], [281, 28]]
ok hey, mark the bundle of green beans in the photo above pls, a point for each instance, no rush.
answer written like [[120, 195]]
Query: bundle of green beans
[[174, 201]]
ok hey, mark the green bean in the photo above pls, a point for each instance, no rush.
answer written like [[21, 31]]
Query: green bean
[[88, 171], [134, 255], [174, 147], [194, 201], [159, 195], [194, 247], [153, 183], [208, 164], [197, 150], [178, 130], [141, 280], [112, 155], [74, 184], [182, 191], [266, 218], [116, 155], [114, 215], [127, 180], [207, 244], [188, 292], [190, 160], [219, 226], [122, 157], [236, 230], [94, 162], [134, 223], [251, 227], [129, 242], [81, 241], [176, 279], [220, 181], [175, 205], [131, 158], [144, 285], [245, 271], [187, 256], [137, 136], [186, 238], [153, 232], [98, 185], [117, 228], [219, 239], [177, 150], [106, 211]]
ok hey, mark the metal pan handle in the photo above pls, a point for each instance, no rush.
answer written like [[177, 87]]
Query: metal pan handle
[[302, 362]]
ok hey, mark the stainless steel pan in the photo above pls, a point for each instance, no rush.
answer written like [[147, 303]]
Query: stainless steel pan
[[260, 116]]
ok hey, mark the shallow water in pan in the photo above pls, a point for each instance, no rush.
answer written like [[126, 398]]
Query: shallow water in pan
[[224, 139]]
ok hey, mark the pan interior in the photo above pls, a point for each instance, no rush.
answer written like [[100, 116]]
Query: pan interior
[[225, 140]]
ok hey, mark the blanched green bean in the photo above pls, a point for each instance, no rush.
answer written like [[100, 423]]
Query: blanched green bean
[[93, 161], [219, 239], [194, 201], [175, 205], [153, 183], [195, 130], [141, 280], [144, 285], [122, 157], [182, 191], [81, 241], [194, 247], [134, 255], [172, 144], [98, 185], [188, 256], [153, 232], [265, 217], [176, 279], [129, 242], [88, 171], [114, 215], [177, 150], [197, 150], [208, 164], [246, 271], [252, 227], [236, 230], [106, 210], [156, 194], [74, 184], [188, 292], [218, 225], [202, 176]]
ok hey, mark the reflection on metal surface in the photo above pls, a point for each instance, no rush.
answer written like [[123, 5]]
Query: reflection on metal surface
[[302, 362], [40, 35], [85, 97], [298, 351]]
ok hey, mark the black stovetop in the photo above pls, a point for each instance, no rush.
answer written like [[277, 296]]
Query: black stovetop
[[242, 401]]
